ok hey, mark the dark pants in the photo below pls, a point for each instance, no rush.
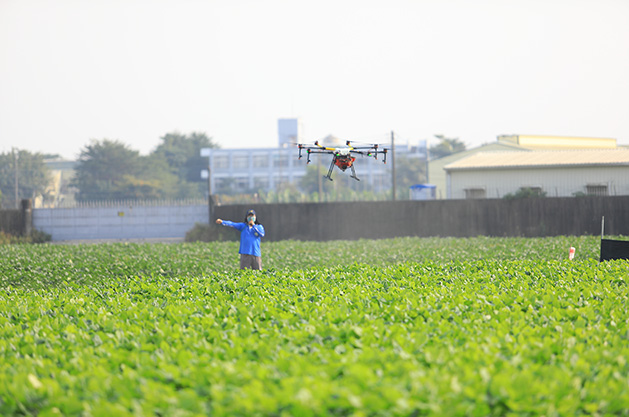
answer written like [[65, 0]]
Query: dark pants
[[250, 261]]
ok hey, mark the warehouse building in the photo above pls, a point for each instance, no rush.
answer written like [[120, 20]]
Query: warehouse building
[[525, 143], [553, 173]]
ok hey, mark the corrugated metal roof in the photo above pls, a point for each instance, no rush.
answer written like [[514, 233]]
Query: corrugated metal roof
[[543, 142], [531, 159]]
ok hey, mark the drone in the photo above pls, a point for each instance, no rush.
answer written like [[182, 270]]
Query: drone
[[342, 157]]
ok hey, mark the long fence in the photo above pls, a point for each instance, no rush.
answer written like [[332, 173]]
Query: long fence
[[455, 218], [17, 222], [332, 221]]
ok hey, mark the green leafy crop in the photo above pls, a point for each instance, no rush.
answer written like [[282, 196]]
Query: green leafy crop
[[443, 327]]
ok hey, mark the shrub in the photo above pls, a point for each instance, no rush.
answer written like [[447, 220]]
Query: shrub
[[525, 192], [36, 236], [202, 232]]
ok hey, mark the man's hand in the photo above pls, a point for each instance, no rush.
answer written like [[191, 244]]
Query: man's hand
[[219, 221]]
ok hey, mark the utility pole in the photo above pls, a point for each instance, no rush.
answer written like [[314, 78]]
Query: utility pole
[[17, 202], [320, 184], [209, 189], [393, 165], [427, 167], [208, 153]]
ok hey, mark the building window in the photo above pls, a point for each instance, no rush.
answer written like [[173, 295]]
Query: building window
[[280, 179], [241, 183], [220, 162], [261, 183], [240, 161], [224, 185], [280, 160], [597, 189], [474, 193], [260, 161]]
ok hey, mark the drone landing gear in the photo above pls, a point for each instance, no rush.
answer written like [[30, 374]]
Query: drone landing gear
[[329, 176], [342, 166], [354, 174]]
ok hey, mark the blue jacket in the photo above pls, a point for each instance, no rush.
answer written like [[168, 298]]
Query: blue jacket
[[249, 237]]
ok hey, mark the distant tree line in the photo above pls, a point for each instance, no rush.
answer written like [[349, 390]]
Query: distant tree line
[[111, 170], [446, 146], [33, 176]]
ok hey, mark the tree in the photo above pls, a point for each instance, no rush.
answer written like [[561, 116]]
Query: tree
[[155, 170], [111, 170], [182, 153], [446, 146], [525, 192], [409, 171], [32, 174], [102, 168], [309, 183]]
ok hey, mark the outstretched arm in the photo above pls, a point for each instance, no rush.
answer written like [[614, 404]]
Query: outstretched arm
[[238, 226]]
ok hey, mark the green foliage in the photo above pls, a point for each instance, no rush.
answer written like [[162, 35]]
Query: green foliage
[[105, 170], [202, 232], [306, 190], [33, 176], [437, 327], [446, 146], [36, 236], [312, 181], [182, 153], [525, 192], [409, 171], [110, 170]]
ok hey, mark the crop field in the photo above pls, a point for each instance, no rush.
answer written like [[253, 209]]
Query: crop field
[[399, 327]]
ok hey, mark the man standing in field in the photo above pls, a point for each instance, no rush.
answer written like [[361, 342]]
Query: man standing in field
[[250, 233]]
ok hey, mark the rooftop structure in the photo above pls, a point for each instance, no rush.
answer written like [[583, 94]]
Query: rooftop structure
[[533, 159]]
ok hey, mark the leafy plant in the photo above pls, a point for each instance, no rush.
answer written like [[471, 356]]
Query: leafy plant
[[525, 192], [443, 327], [36, 236]]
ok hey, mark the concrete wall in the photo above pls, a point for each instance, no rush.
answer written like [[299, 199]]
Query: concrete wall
[[368, 220], [455, 218], [119, 222]]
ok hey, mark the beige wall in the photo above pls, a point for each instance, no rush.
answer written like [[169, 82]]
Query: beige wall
[[556, 182]]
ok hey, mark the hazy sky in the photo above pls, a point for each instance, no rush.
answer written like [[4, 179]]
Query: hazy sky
[[134, 70]]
